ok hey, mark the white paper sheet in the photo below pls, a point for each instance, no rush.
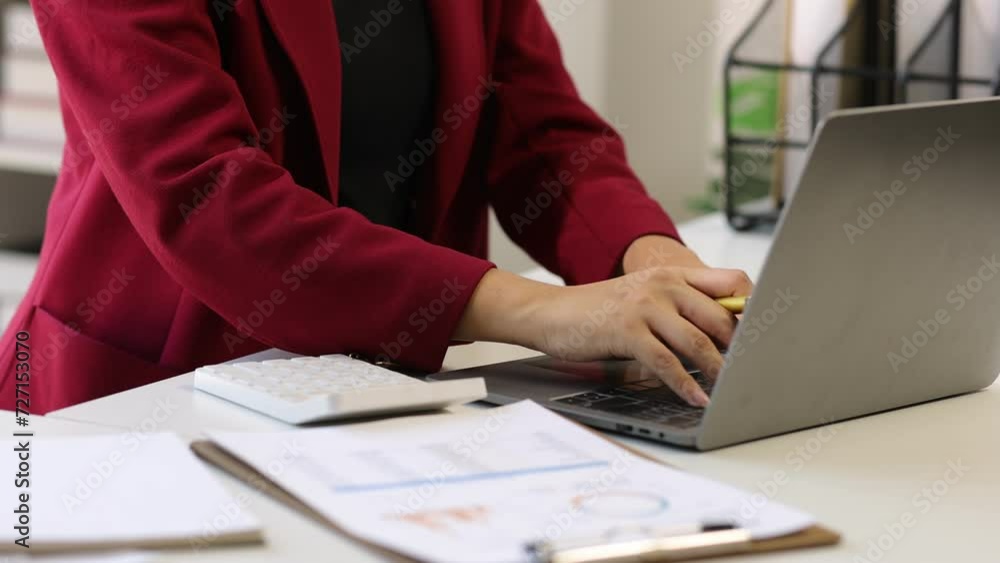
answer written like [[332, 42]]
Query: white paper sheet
[[477, 487], [120, 488], [96, 557]]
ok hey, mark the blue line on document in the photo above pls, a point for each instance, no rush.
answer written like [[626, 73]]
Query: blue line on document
[[466, 478]]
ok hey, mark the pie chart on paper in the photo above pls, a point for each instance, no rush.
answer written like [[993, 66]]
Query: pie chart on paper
[[618, 505]]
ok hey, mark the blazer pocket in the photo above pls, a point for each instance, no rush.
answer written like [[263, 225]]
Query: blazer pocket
[[70, 367]]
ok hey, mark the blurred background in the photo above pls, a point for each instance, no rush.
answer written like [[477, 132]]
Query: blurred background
[[657, 66], [654, 66]]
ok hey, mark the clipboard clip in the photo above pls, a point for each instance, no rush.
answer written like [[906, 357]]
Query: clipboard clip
[[675, 544]]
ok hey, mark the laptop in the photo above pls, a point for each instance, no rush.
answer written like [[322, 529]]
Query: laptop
[[881, 290]]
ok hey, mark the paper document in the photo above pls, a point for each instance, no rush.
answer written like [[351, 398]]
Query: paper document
[[479, 486], [97, 557], [117, 490]]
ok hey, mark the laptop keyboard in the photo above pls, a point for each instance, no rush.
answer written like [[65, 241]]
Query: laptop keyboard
[[650, 400]]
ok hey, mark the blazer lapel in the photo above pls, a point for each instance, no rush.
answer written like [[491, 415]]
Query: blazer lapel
[[459, 39], [308, 33]]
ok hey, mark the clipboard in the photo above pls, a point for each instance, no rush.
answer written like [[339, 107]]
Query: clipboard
[[72, 548], [814, 536]]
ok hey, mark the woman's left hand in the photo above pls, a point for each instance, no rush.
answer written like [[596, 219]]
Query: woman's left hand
[[658, 251]]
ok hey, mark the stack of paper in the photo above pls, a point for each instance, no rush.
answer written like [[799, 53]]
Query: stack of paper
[[478, 487], [115, 491]]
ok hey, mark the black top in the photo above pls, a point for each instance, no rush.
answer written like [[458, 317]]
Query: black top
[[387, 104]]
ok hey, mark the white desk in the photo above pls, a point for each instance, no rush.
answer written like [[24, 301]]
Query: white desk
[[858, 480]]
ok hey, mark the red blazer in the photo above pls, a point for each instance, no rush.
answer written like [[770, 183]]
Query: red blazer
[[195, 220]]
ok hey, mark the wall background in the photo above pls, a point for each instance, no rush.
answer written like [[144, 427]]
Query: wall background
[[621, 56]]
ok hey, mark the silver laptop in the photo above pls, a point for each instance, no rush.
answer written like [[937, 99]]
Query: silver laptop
[[881, 290]]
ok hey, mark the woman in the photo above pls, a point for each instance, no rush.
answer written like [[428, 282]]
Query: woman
[[245, 174]]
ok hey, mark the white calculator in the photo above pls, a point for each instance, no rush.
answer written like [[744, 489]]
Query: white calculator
[[311, 389]]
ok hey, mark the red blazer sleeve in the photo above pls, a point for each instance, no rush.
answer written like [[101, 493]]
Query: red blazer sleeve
[[559, 180], [262, 231]]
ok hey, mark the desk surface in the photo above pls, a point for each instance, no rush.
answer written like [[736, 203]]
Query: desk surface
[[871, 479]]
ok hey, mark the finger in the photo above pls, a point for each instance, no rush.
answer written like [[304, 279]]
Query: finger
[[684, 338], [660, 360], [705, 314], [717, 282]]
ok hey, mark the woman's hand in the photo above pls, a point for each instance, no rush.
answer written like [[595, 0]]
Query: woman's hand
[[658, 251], [651, 315]]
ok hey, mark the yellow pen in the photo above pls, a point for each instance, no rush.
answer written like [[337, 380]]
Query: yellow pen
[[734, 305]]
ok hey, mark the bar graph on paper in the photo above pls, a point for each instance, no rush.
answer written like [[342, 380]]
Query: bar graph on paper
[[556, 477], [619, 506], [470, 485], [438, 464]]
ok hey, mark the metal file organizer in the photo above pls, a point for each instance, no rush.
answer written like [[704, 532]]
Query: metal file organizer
[[882, 79]]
